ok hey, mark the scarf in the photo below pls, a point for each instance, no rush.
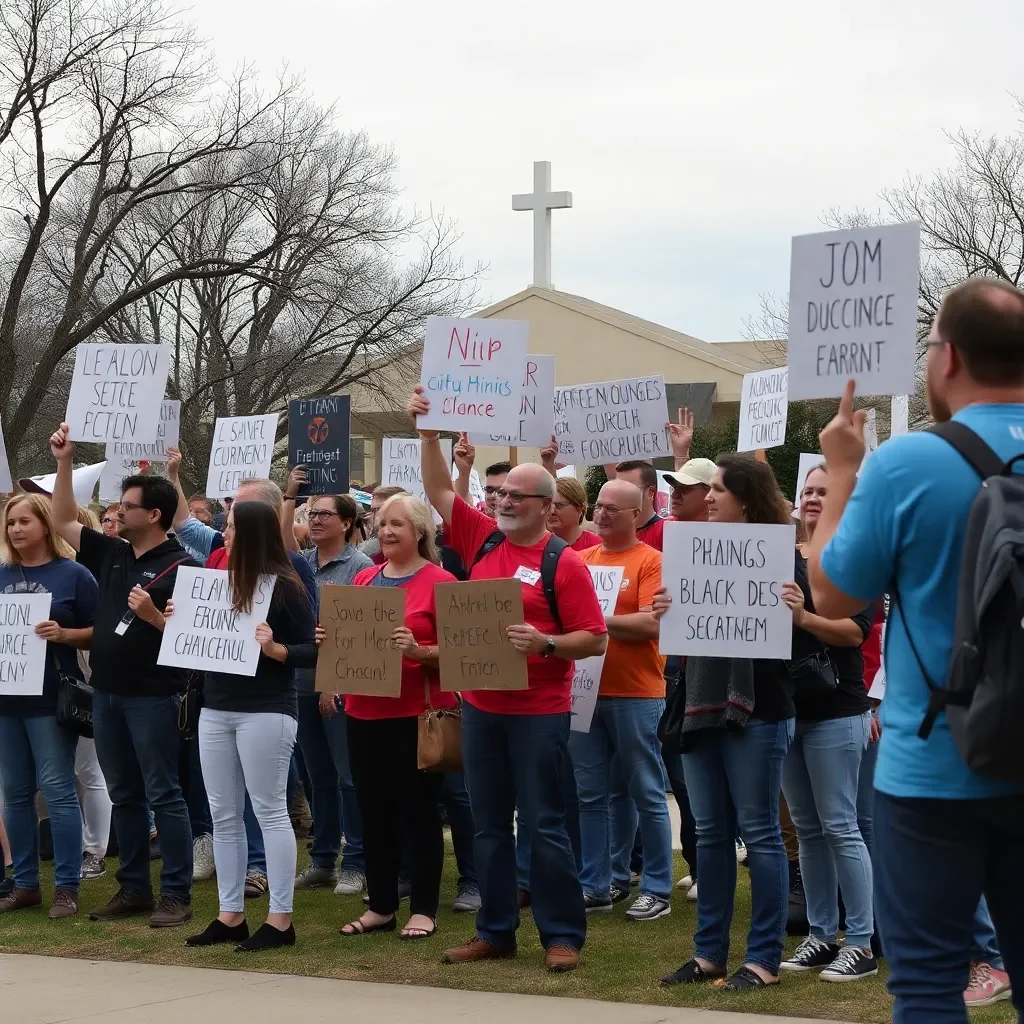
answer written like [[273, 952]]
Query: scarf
[[719, 695]]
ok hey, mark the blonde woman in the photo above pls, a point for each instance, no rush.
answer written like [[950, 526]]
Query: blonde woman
[[568, 511], [35, 752]]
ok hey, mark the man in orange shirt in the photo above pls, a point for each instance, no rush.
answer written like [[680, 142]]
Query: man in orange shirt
[[618, 765]]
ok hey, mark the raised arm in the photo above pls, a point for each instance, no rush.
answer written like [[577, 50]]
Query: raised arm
[[464, 455], [437, 477], [680, 436], [549, 456], [296, 478], [63, 506], [181, 513]]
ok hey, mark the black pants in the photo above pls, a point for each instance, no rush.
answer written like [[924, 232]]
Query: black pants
[[399, 805]]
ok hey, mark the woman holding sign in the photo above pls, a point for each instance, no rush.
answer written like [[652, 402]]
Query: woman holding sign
[[35, 752], [396, 798], [247, 730]]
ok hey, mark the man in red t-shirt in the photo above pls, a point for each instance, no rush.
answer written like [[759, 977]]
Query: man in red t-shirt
[[515, 743]]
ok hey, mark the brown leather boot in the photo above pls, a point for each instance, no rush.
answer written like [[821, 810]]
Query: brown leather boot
[[170, 912], [65, 903], [562, 958], [20, 899], [477, 949], [124, 904]]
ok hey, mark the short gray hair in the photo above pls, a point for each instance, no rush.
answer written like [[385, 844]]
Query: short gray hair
[[269, 493]]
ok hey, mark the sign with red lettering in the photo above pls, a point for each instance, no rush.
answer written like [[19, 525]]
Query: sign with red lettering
[[473, 374], [536, 411]]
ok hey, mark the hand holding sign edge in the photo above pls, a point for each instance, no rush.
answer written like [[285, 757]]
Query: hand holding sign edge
[[842, 439]]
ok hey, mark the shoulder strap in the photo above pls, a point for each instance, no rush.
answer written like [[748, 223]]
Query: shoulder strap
[[488, 546], [548, 570], [174, 565], [971, 447]]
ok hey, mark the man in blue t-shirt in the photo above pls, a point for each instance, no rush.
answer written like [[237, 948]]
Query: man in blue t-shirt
[[943, 835]]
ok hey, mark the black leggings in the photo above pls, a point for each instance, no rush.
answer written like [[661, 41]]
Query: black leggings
[[399, 804]]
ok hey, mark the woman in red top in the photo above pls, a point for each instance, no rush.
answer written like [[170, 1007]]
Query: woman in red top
[[397, 799], [568, 511]]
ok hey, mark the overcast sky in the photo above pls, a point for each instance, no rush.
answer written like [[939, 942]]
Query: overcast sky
[[696, 138]]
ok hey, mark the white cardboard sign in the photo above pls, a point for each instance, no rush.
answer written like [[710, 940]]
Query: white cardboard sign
[[536, 412], [22, 653], [612, 421], [116, 392], [243, 446], [205, 633], [6, 483], [586, 677], [808, 460], [168, 434], [400, 464], [114, 472], [853, 311], [473, 374], [763, 409], [900, 421], [726, 580]]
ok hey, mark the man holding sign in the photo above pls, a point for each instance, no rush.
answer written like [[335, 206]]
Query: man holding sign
[[515, 743]]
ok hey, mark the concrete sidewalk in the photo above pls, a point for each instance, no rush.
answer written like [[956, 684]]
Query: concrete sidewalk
[[50, 990]]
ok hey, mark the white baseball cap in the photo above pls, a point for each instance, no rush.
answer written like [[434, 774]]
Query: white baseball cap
[[696, 471]]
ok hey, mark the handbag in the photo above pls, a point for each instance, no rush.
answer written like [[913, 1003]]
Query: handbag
[[439, 737], [190, 706], [74, 702], [815, 672]]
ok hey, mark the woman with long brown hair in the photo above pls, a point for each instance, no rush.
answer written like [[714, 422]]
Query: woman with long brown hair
[[247, 731]]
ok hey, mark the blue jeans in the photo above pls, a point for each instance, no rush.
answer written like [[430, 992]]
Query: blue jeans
[[522, 760], [820, 780], [933, 861], [735, 778], [866, 795], [324, 746], [137, 743], [37, 754], [984, 945], [455, 797], [623, 729]]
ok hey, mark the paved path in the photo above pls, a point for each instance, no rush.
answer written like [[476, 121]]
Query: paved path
[[49, 990]]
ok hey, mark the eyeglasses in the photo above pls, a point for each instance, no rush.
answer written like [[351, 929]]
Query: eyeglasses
[[491, 489], [107, 521], [516, 497], [561, 506], [320, 514], [610, 510], [127, 506]]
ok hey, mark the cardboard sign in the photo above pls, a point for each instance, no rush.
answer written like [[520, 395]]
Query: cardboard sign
[[168, 435], [900, 415], [114, 473], [808, 460], [614, 421], [22, 653], [763, 409], [536, 411], [400, 463], [204, 632], [243, 447], [475, 650], [853, 311], [359, 655], [726, 585], [116, 392], [586, 677], [6, 483], [473, 374], [318, 438]]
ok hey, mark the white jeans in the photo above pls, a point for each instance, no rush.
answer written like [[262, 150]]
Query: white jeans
[[242, 751], [93, 798]]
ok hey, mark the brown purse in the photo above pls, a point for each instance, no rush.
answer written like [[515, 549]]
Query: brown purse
[[439, 737]]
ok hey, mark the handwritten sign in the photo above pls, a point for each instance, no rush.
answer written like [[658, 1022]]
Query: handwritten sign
[[114, 473], [473, 374], [853, 311], [22, 653], [763, 409], [536, 411], [808, 460], [243, 446], [318, 438], [358, 655], [475, 650], [205, 632], [614, 421], [900, 415], [586, 677], [168, 435], [116, 392], [6, 483], [726, 585], [400, 463]]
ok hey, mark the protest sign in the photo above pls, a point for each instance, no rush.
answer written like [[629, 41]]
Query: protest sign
[[83, 482], [22, 653], [318, 438], [168, 434], [114, 473], [900, 415], [205, 632], [536, 411], [475, 650], [853, 311], [586, 677], [6, 483], [243, 446], [473, 374], [358, 654], [726, 580], [613, 421], [808, 460], [116, 392], [400, 463], [763, 409]]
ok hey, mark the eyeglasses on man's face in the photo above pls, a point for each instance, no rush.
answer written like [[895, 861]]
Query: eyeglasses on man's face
[[515, 497], [128, 506], [320, 515]]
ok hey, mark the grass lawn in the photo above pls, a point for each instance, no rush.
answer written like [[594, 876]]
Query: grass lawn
[[621, 962]]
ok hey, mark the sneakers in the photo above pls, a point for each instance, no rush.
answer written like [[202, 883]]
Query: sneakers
[[618, 894], [648, 908], [596, 904], [741, 852], [852, 964], [350, 883], [988, 985], [65, 903], [202, 858], [685, 882], [467, 900], [20, 899], [562, 958], [256, 884], [316, 878], [170, 912], [124, 904], [92, 866], [691, 893], [476, 949], [811, 955]]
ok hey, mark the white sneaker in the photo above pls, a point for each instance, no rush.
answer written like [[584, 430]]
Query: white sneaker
[[741, 851], [685, 882], [692, 894], [202, 858], [350, 883]]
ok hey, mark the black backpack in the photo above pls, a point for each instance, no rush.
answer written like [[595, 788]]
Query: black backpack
[[548, 566], [984, 694]]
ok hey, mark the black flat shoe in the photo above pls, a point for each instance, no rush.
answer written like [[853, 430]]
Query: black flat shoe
[[217, 931], [362, 929], [691, 973], [267, 937], [744, 979], [423, 934]]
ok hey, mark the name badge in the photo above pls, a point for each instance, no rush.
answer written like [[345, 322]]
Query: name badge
[[126, 620], [527, 576]]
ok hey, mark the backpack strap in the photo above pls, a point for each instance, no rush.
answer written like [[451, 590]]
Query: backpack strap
[[548, 570], [971, 447], [488, 546]]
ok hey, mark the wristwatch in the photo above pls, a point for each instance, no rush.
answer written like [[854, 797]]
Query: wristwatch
[[549, 648]]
